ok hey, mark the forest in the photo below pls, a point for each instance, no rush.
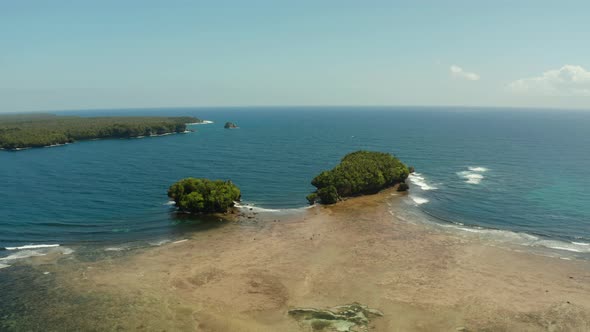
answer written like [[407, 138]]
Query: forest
[[203, 195], [21, 131]]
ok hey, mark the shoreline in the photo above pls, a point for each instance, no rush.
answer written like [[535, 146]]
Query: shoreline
[[247, 275]]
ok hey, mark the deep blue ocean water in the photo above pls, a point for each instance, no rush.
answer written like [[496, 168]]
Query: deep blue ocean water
[[524, 171]]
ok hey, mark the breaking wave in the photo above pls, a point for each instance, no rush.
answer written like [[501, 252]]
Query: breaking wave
[[33, 246], [419, 180], [473, 175], [419, 200], [552, 247], [35, 251]]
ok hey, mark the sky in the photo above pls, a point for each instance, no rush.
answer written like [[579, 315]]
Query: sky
[[60, 55]]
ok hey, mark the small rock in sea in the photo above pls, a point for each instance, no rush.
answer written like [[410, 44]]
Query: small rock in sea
[[230, 125]]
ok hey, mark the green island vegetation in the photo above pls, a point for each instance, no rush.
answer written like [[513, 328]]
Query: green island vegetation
[[204, 196], [38, 130], [359, 173]]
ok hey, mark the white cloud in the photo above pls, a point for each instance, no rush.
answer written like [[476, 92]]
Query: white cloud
[[458, 72], [569, 80]]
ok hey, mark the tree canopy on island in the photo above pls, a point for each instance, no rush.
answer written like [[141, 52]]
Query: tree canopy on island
[[359, 173], [204, 196], [38, 130]]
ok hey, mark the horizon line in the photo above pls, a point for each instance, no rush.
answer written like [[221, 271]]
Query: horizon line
[[132, 108]]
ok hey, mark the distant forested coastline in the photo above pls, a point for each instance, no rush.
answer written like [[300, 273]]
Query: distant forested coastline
[[39, 130]]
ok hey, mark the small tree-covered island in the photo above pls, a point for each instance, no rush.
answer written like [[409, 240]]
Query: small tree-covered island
[[39, 130], [193, 195], [359, 173]]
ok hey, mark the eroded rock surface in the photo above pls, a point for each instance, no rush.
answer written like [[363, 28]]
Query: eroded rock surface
[[348, 317]]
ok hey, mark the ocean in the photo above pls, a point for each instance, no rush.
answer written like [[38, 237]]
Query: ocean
[[509, 175]]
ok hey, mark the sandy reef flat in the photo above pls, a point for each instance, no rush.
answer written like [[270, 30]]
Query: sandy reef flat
[[247, 275]]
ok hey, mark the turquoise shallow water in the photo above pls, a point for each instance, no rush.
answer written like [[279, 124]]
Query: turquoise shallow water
[[525, 171]]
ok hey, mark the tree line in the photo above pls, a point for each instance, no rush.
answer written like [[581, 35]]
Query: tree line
[[38, 130]]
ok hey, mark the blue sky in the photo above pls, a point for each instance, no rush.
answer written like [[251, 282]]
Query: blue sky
[[116, 54]]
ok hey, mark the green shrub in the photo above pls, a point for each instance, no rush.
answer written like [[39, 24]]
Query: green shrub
[[403, 187], [203, 195], [328, 195], [361, 172], [312, 198]]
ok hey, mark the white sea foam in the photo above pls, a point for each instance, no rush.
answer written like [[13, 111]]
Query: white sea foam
[[180, 241], [200, 123], [477, 169], [115, 248], [33, 246], [36, 250], [559, 245], [54, 145], [3, 266], [496, 234], [23, 254], [160, 242], [523, 239], [543, 245], [419, 200], [420, 181], [470, 177], [170, 203], [473, 175], [253, 208]]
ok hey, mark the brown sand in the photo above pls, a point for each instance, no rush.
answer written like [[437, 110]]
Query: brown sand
[[245, 276]]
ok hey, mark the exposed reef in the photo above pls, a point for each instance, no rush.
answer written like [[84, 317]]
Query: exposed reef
[[343, 318]]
